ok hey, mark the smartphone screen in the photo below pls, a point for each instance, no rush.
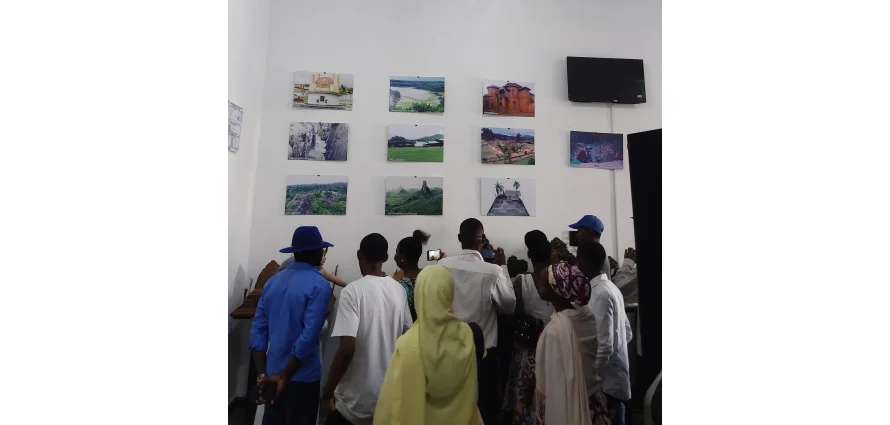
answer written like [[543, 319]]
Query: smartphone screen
[[433, 255], [487, 253], [573, 238]]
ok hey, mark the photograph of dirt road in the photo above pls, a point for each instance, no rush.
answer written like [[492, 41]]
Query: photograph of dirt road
[[316, 195], [507, 196], [318, 141], [508, 146]]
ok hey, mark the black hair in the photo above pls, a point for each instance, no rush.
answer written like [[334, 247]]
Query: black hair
[[411, 248], [374, 247], [313, 258], [593, 253], [469, 228], [538, 246], [420, 235]]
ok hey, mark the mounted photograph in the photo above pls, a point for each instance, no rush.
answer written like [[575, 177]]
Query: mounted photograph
[[414, 196], [506, 196], [508, 146], [318, 141], [316, 195], [321, 90], [512, 98], [415, 143], [596, 150], [417, 94]]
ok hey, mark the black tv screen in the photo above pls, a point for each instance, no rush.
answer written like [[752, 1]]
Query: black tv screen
[[606, 80]]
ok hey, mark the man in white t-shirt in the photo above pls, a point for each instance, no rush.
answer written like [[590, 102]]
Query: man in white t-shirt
[[372, 314], [481, 289]]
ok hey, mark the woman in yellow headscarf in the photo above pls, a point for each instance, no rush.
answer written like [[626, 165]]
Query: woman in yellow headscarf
[[432, 377]]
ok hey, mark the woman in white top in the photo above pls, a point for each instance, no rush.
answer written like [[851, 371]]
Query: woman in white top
[[531, 315]]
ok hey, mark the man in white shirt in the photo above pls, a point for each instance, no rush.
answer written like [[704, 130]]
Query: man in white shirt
[[372, 314], [613, 330], [481, 290]]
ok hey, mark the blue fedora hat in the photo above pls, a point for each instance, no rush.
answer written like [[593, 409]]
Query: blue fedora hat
[[306, 238]]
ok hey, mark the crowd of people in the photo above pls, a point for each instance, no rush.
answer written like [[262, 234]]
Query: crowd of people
[[423, 346]]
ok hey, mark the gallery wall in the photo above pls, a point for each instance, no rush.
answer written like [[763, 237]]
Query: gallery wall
[[248, 38], [464, 41]]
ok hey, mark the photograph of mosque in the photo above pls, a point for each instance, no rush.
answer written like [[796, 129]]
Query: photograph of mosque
[[323, 90]]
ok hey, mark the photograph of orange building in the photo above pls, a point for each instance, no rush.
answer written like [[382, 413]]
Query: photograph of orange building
[[512, 98]]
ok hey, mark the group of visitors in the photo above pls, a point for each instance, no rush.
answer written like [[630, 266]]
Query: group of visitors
[[420, 347]]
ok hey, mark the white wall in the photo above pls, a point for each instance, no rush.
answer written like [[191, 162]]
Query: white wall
[[248, 42], [465, 41]]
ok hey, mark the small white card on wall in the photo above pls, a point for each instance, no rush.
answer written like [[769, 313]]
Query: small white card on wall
[[235, 115]]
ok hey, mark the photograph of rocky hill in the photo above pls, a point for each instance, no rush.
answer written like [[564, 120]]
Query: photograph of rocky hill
[[414, 196], [316, 195]]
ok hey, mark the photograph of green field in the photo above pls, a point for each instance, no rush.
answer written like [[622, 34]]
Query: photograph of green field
[[417, 94], [508, 146], [415, 143], [316, 195], [414, 196]]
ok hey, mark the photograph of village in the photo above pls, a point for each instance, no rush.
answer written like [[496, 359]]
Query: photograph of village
[[415, 143], [318, 141], [322, 90], [508, 146], [507, 197], [316, 195], [596, 150], [414, 196], [511, 98], [417, 94]]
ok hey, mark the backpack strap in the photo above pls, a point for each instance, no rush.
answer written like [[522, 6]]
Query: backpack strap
[[478, 340]]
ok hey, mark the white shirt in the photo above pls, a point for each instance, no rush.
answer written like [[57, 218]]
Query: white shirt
[[374, 310], [612, 333], [532, 303], [476, 285]]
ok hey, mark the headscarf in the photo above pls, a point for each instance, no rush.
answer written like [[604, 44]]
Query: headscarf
[[569, 283], [432, 378]]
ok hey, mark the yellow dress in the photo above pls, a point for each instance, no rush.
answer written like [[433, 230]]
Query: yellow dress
[[431, 378]]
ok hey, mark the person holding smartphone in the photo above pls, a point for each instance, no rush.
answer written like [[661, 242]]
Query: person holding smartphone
[[424, 239]]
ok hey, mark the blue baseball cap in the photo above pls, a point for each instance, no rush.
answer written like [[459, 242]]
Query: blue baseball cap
[[306, 238], [590, 222]]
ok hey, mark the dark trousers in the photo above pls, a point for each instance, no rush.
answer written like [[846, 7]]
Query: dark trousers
[[616, 410], [489, 394], [296, 405], [336, 419]]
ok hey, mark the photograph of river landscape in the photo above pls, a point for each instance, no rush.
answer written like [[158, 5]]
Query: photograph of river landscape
[[417, 94], [316, 195]]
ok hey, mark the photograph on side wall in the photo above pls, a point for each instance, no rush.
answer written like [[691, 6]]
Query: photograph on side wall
[[322, 90], [596, 150], [508, 146], [504, 196], [511, 98], [316, 195], [236, 113], [417, 94], [415, 143], [414, 195], [318, 141]]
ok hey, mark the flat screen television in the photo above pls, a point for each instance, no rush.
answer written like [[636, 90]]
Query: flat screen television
[[606, 80]]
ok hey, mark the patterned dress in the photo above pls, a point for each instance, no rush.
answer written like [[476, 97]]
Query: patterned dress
[[408, 284]]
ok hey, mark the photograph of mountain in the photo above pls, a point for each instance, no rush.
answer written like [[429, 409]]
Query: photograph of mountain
[[414, 196]]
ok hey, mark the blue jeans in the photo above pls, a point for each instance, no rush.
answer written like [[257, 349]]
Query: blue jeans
[[616, 410]]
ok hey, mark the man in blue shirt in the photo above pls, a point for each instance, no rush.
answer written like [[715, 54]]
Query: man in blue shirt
[[289, 317]]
